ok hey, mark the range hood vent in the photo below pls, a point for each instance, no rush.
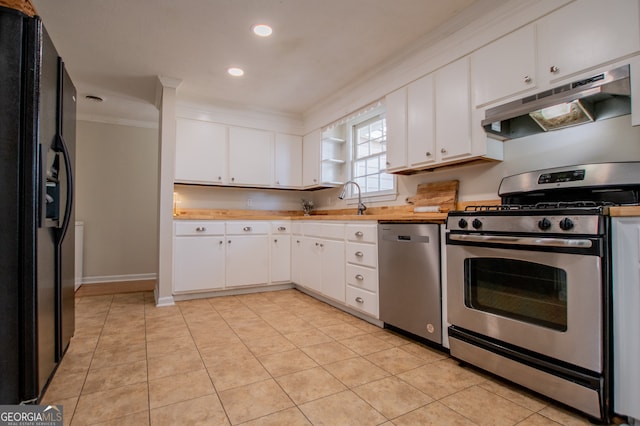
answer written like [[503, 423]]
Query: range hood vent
[[599, 97]]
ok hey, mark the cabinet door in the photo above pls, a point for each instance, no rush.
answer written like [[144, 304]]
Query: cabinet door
[[250, 157], [311, 158], [453, 111], [420, 122], [199, 263], [297, 259], [396, 118], [247, 260], [333, 269], [311, 274], [201, 151], [505, 67], [585, 34], [288, 161], [280, 258]]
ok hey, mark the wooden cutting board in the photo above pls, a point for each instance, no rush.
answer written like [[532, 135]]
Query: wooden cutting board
[[443, 194]]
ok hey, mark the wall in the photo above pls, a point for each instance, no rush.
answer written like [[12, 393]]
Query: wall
[[117, 193], [609, 140]]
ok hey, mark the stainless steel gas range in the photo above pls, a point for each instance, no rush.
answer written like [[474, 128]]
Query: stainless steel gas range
[[529, 281]]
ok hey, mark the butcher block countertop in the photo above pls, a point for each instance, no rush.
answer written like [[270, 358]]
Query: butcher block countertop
[[624, 211], [395, 213]]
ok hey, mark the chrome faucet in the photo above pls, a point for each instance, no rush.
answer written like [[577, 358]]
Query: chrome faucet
[[361, 206]]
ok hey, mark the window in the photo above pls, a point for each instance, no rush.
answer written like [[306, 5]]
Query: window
[[368, 149], [370, 156]]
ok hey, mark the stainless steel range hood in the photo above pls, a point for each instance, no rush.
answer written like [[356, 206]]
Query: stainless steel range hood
[[598, 97]]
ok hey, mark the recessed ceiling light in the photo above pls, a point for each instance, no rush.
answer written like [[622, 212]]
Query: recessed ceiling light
[[236, 72], [262, 30]]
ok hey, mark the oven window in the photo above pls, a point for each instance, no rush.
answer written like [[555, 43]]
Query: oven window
[[524, 291]]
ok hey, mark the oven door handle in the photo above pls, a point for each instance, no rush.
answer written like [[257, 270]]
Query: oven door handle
[[525, 241]]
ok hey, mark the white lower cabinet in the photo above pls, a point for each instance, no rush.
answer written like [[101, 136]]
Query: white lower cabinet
[[362, 267], [247, 253], [337, 260], [280, 252], [199, 256]]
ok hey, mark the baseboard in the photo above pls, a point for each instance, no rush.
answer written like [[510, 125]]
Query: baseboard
[[116, 278]]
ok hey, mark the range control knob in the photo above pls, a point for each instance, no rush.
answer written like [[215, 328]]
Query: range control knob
[[476, 224], [544, 224], [462, 223], [566, 224]]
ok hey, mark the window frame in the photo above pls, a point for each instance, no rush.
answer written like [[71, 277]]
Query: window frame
[[378, 112]]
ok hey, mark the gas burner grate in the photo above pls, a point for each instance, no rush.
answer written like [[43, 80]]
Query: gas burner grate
[[498, 207], [572, 204]]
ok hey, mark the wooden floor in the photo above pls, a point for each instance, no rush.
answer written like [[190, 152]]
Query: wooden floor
[[115, 287]]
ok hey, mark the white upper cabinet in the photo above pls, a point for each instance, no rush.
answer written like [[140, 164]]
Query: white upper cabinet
[[396, 117], [334, 156], [250, 157], [311, 144], [586, 34], [505, 67], [288, 161], [453, 111], [201, 152], [421, 143]]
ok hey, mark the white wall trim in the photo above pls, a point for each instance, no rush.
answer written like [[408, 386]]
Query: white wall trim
[[163, 301], [99, 279]]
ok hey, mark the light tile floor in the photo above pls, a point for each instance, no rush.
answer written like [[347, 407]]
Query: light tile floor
[[274, 358]]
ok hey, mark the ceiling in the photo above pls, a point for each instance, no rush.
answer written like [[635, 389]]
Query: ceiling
[[116, 49]]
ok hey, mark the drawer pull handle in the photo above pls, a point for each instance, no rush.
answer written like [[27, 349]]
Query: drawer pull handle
[[359, 254], [282, 228], [359, 277], [359, 234], [220, 242], [359, 299], [201, 229], [246, 228]]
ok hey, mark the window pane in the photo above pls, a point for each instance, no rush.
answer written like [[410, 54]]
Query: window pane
[[362, 150], [360, 168], [372, 183]]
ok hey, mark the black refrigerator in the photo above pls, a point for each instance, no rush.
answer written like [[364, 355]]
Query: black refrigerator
[[37, 157]]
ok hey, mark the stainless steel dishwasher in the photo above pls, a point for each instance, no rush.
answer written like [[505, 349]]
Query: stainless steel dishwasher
[[409, 278]]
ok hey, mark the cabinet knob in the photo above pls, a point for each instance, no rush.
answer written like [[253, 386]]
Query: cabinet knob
[[444, 151], [359, 254], [201, 229], [219, 177], [229, 242], [246, 229], [359, 299], [297, 241], [275, 240], [277, 182], [359, 277], [321, 245], [388, 163], [315, 180], [233, 179], [428, 154], [553, 69], [317, 244], [527, 79], [282, 228], [359, 234], [220, 242]]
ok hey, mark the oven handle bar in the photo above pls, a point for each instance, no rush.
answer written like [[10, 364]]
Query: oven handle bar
[[526, 241]]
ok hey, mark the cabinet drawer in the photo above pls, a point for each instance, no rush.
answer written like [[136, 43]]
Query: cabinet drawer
[[191, 227], [247, 227], [362, 233], [362, 254], [282, 227], [324, 230], [296, 227], [361, 277], [363, 300]]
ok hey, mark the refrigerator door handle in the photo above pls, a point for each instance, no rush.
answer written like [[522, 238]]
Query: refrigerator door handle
[[62, 147]]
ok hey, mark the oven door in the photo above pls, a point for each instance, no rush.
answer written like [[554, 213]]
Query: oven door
[[540, 294]]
